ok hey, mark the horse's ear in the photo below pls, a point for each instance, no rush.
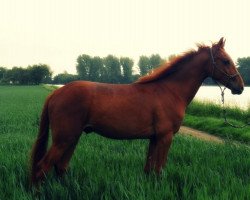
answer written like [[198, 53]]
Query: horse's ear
[[221, 43]]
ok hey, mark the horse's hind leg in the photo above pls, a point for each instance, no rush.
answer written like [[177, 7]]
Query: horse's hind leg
[[64, 140], [51, 157], [62, 165]]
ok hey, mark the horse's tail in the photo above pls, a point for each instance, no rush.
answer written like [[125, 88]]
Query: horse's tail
[[40, 146]]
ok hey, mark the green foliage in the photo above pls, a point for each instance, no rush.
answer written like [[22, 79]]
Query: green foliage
[[127, 65], [155, 61], [147, 64], [208, 117], [244, 69], [18, 75], [113, 67], [96, 69], [64, 78], [3, 71], [106, 69], [32, 75], [39, 74], [144, 65], [109, 169], [83, 66]]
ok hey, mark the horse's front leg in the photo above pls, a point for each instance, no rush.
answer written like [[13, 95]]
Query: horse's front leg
[[163, 146], [151, 161], [157, 152]]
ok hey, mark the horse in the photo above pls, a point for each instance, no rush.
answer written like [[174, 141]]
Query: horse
[[151, 108]]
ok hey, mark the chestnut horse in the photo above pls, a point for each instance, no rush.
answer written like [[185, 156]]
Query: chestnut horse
[[151, 108]]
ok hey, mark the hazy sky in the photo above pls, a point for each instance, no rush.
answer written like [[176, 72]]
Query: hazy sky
[[56, 32]]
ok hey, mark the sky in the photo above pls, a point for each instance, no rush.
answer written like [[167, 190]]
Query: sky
[[56, 32]]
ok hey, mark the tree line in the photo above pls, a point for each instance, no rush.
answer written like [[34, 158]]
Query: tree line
[[32, 75], [112, 69], [109, 69]]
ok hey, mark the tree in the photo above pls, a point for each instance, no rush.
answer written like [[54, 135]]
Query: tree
[[39, 74], [127, 65], [16, 75], [83, 66], [64, 78], [155, 61], [113, 67], [104, 76], [3, 71], [95, 69], [244, 69], [23, 77], [144, 65], [135, 77], [147, 64]]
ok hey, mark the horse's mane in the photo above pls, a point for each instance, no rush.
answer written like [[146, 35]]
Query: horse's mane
[[171, 66]]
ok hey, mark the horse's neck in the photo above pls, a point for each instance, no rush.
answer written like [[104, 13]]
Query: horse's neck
[[186, 81]]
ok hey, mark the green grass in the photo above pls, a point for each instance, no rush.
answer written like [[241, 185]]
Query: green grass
[[108, 169], [208, 117]]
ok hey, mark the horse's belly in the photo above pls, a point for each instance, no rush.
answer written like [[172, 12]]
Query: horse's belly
[[128, 133], [120, 136]]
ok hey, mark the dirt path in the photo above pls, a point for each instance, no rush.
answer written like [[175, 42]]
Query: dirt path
[[200, 134]]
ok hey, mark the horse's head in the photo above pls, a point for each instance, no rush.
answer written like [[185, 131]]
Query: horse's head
[[224, 70]]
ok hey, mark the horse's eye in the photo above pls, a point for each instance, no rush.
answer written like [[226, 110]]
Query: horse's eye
[[226, 62]]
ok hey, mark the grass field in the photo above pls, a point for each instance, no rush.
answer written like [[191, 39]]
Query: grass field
[[108, 169], [208, 117]]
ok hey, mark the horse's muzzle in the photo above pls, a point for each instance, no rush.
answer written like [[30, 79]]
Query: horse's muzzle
[[237, 90]]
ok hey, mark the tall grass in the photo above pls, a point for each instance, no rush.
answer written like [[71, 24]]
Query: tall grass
[[208, 109], [108, 169], [208, 117]]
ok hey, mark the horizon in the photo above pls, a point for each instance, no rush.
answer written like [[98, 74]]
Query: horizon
[[57, 32]]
